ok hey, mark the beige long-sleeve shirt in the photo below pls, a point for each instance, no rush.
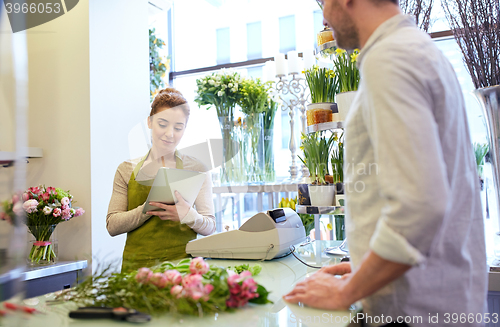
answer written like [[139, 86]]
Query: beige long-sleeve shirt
[[119, 220], [412, 191]]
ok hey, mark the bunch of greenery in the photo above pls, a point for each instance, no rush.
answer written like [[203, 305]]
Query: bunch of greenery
[[480, 151], [323, 84], [338, 160], [307, 220], [254, 95], [346, 69], [317, 148], [106, 289], [158, 65], [221, 90]]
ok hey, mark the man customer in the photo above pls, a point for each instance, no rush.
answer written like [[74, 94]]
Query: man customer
[[414, 224]]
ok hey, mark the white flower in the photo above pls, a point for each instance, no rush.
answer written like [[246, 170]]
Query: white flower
[[217, 84], [230, 85], [47, 210], [211, 82], [234, 89], [220, 93], [203, 82], [236, 85]]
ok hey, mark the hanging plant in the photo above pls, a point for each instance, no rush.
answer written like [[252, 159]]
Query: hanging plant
[[158, 65]]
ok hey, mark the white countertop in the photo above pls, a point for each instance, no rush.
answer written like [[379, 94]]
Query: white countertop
[[278, 276]]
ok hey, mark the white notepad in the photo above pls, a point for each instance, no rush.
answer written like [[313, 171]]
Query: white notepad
[[168, 180]]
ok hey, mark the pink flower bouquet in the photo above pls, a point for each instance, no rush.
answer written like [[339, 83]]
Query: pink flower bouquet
[[44, 209], [191, 287]]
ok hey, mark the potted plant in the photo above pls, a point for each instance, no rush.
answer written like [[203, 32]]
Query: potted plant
[[317, 148], [337, 161], [480, 151], [323, 85], [348, 76]]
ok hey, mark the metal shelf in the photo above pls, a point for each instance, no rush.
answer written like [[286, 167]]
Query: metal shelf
[[7, 158], [313, 210], [324, 126], [325, 50]]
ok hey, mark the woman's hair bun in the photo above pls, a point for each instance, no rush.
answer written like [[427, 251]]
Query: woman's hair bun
[[168, 98]]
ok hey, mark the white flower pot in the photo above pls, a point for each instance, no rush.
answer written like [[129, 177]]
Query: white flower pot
[[331, 106], [344, 102], [322, 195]]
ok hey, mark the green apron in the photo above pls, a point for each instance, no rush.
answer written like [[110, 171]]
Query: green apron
[[156, 240]]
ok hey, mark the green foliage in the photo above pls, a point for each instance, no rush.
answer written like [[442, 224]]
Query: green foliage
[[158, 65], [317, 149], [263, 296], [480, 151], [337, 160], [347, 71], [323, 84], [254, 96], [255, 269]]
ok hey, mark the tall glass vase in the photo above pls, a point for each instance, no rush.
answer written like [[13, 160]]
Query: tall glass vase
[[253, 145], [489, 97], [231, 168], [268, 127]]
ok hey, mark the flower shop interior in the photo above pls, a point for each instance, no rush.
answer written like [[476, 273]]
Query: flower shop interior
[[263, 82]]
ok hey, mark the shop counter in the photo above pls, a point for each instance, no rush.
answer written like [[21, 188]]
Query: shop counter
[[278, 276]]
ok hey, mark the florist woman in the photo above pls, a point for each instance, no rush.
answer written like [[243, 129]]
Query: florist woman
[[160, 235]]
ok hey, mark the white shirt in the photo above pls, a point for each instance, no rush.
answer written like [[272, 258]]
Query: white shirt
[[412, 191]]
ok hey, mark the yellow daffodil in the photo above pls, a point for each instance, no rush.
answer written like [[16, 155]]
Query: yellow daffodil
[[340, 51], [155, 41], [329, 227], [354, 57]]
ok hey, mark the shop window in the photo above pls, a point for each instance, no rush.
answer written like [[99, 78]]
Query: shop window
[[287, 33], [223, 46], [254, 40]]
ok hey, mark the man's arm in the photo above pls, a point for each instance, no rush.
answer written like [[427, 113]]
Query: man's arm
[[325, 291]]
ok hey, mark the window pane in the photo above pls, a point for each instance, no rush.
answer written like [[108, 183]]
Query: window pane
[[318, 25], [254, 40], [287, 34], [223, 49]]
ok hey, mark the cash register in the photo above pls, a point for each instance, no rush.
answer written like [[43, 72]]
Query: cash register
[[265, 236]]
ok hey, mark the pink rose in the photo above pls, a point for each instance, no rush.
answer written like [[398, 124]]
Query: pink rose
[[15, 198], [173, 276], [51, 190], [66, 214], [79, 212], [45, 196], [242, 288], [65, 201], [191, 281], [209, 288], [26, 196], [199, 266], [56, 212], [143, 275], [176, 291], [30, 206], [159, 280]]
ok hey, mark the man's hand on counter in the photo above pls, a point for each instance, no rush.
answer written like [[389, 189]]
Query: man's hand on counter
[[324, 290]]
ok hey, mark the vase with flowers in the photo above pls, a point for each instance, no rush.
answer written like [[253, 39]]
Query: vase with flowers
[[323, 85], [45, 208], [317, 149], [253, 103], [222, 91], [348, 75]]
